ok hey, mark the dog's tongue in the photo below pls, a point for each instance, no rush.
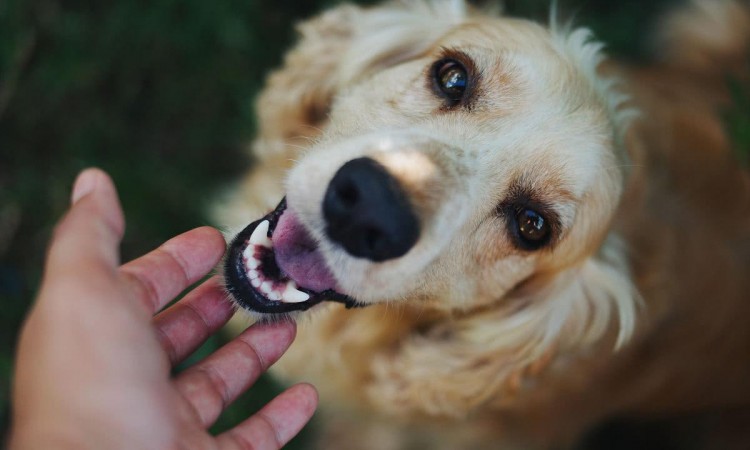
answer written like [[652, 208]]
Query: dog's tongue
[[298, 257]]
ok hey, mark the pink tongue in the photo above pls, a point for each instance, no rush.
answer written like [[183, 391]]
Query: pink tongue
[[298, 257]]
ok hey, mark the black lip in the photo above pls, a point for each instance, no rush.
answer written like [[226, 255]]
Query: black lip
[[247, 297]]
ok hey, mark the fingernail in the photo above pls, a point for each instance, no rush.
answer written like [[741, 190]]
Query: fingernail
[[85, 184]]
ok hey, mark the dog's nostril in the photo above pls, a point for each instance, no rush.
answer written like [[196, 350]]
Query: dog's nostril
[[368, 213]]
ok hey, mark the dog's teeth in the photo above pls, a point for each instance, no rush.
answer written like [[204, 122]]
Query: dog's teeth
[[253, 274], [293, 295], [275, 295], [266, 287], [256, 283], [260, 235], [252, 263]]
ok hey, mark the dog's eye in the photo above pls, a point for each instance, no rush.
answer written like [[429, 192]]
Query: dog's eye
[[533, 228], [451, 79]]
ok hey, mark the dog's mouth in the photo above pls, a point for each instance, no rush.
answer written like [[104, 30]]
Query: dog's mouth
[[274, 266]]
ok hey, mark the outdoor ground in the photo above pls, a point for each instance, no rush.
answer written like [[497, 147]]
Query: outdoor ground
[[160, 94]]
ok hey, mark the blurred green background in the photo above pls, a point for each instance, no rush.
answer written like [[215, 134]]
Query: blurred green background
[[160, 94]]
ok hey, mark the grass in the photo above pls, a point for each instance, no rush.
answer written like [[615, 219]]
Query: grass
[[160, 94]]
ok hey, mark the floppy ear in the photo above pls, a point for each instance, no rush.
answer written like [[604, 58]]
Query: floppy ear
[[594, 301], [335, 50], [462, 364]]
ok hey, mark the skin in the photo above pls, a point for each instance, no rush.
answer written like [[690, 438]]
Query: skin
[[95, 354]]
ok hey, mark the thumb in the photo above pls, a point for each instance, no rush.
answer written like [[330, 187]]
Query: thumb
[[88, 237]]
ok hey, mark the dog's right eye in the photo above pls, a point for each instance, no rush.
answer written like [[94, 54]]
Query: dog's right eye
[[451, 80]]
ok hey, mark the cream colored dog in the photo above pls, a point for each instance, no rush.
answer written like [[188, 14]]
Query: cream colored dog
[[526, 241]]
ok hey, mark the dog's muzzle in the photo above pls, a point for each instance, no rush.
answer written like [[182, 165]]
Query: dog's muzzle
[[274, 266]]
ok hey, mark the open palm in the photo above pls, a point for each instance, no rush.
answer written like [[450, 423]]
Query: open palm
[[95, 356]]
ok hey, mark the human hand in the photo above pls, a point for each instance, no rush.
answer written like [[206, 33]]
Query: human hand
[[93, 362]]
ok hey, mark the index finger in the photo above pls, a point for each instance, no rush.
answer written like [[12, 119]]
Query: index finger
[[162, 274]]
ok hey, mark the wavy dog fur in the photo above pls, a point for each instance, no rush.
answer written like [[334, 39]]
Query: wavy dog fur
[[469, 342]]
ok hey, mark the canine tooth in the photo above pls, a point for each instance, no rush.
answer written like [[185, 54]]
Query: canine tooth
[[253, 274], [275, 295], [266, 287], [293, 295], [255, 283], [260, 235]]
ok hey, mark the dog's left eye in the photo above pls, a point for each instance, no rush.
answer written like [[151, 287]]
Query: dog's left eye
[[533, 229], [451, 80]]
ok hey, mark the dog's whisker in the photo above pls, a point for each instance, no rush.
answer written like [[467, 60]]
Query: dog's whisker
[[296, 146]]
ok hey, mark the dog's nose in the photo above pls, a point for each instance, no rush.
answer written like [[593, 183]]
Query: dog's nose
[[368, 213]]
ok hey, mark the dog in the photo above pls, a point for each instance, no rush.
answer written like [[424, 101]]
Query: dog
[[494, 237]]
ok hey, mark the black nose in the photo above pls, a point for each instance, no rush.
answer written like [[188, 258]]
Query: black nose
[[368, 213]]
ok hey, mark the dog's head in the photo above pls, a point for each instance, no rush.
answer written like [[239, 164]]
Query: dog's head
[[466, 161]]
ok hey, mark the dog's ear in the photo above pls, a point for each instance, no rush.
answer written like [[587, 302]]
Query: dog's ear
[[594, 300], [335, 50], [461, 364]]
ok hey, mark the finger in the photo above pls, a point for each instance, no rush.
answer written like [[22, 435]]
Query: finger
[[162, 274], [86, 240], [276, 424], [186, 325], [212, 384]]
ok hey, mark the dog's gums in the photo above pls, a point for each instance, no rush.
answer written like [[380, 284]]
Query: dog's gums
[[278, 274]]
